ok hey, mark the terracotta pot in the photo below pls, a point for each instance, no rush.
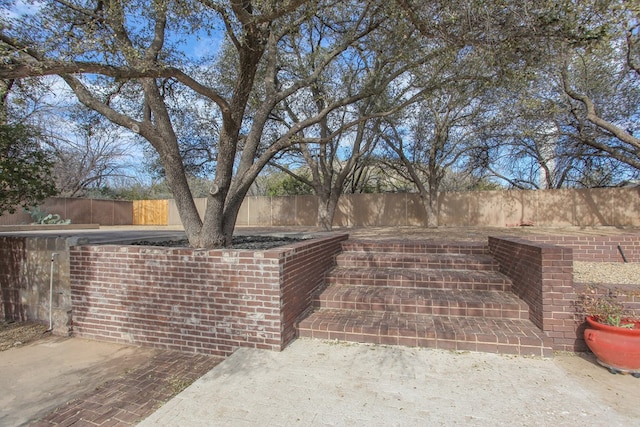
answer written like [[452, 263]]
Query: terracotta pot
[[615, 348]]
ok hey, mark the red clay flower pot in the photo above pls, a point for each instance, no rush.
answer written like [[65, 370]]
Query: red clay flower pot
[[615, 348]]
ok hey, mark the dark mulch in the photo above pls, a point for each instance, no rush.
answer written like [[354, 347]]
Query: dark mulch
[[239, 242]]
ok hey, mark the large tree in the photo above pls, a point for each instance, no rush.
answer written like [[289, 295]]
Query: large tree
[[532, 138], [374, 78], [89, 152], [125, 60], [25, 168], [434, 140], [558, 134], [132, 61], [573, 120], [602, 87]]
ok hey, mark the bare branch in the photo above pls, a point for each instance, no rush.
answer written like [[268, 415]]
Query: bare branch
[[593, 117], [158, 33]]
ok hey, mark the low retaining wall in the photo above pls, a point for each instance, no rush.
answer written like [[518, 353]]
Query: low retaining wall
[[597, 248], [542, 276], [207, 301], [216, 301], [25, 279]]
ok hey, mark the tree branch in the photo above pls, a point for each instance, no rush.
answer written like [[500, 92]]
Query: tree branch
[[593, 117]]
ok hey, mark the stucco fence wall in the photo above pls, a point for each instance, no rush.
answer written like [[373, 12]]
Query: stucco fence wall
[[79, 211], [545, 208], [548, 208]]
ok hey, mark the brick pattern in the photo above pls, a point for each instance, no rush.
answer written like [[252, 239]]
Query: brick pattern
[[415, 247], [542, 276], [596, 248], [413, 298], [540, 268], [444, 332], [302, 276], [206, 301], [127, 400], [434, 279], [412, 261]]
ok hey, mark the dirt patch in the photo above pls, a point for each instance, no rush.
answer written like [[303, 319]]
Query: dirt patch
[[16, 334]]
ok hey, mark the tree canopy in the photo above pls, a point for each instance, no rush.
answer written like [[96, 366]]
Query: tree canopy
[[224, 89], [25, 169]]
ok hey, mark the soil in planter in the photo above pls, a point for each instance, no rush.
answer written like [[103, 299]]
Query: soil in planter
[[239, 242]]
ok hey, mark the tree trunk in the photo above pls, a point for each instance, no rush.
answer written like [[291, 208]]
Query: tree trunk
[[224, 200], [218, 229], [327, 205], [430, 203], [177, 181]]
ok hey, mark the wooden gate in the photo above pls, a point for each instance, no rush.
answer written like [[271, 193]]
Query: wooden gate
[[150, 212]]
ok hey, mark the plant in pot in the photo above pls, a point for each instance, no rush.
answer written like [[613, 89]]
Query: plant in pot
[[613, 333]]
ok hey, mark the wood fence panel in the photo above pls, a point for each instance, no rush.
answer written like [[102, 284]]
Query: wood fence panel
[[150, 212]]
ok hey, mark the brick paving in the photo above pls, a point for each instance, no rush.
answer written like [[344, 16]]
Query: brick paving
[[127, 400], [506, 336]]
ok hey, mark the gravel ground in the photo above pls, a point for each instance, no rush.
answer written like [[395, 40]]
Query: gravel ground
[[15, 334], [607, 272]]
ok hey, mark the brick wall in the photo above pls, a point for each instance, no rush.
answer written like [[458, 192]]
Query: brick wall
[[542, 276], [303, 272], [596, 248], [208, 301]]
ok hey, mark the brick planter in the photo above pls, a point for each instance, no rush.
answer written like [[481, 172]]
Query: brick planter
[[207, 301]]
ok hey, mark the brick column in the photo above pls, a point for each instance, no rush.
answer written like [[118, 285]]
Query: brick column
[[542, 276]]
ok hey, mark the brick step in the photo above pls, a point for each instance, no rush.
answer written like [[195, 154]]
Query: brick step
[[507, 336], [416, 247], [416, 261], [492, 304], [421, 278]]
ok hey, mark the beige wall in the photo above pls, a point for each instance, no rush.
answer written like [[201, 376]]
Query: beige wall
[[550, 208], [79, 211]]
